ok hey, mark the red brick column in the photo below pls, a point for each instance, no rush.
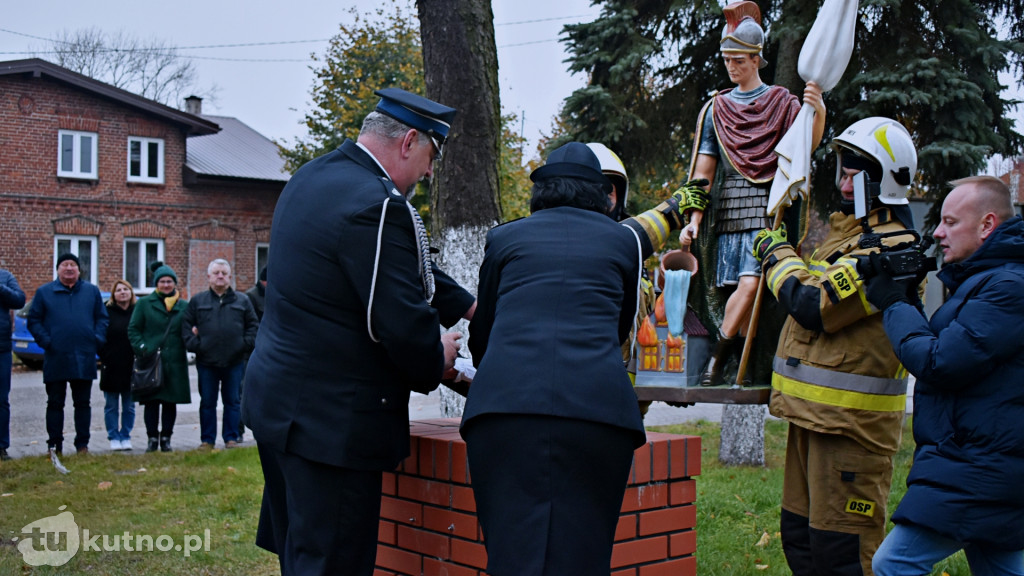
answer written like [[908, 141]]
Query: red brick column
[[428, 519]]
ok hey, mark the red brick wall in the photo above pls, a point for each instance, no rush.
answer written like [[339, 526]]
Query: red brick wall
[[428, 519], [35, 204]]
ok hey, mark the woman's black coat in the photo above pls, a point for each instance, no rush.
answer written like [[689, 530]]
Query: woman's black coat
[[116, 354]]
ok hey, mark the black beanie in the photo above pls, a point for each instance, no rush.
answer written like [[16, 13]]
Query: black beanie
[[68, 256]]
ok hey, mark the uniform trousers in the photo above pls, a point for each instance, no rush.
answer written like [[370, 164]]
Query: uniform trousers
[[319, 519], [834, 497], [548, 492]]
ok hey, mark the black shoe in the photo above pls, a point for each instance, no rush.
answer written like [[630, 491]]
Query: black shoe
[[4, 455], [712, 375], [153, 444], [165, 443]]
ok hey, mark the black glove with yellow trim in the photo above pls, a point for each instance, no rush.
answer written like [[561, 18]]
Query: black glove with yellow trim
[[767, 241]]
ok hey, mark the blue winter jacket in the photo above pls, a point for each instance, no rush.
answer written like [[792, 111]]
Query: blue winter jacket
[[965, 482], [11, 299], [70, 325]]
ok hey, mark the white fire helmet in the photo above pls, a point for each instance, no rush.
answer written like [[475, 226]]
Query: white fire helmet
[[889, 144], [614, 169]]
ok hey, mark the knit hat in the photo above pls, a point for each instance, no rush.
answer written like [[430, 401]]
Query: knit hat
[[160, 270], [68, 256], [263, 274]]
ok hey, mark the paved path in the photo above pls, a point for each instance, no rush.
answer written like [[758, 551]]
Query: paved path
[[28, 410]]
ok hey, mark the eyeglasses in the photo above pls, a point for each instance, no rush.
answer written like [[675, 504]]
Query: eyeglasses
[[437, 147]]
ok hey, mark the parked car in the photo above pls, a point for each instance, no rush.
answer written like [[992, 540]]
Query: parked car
[[24, 344], [25, 347]]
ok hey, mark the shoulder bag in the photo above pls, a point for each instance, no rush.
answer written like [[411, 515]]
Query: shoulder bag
[[147, 371]]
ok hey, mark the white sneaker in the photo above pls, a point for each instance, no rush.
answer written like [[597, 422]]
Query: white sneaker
[[115, 445], [126, 444]]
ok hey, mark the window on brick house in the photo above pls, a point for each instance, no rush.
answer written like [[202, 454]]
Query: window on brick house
[[262, 250], [82, 246], [145, 160], [138, 253], [76, 154]]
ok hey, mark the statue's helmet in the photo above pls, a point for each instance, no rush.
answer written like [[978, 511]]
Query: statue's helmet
[[743, 33]]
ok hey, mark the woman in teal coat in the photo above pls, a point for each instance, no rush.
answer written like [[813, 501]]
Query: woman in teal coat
[[146, 332]]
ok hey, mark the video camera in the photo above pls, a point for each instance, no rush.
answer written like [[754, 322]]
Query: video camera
[[902, 261]]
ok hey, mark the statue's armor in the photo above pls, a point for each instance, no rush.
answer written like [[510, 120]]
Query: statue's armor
[[741, 205]]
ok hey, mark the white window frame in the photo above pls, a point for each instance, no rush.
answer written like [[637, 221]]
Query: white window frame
[[143, 175], [77, 150], [75, 248], [142, 264]]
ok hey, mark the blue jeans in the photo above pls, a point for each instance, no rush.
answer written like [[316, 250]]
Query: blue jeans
[[228, 381], [56, 394], [127, 415], [736, 258], [6, 360], [910, 549]]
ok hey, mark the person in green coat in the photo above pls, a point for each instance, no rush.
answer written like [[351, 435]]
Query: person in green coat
[[147, 331]]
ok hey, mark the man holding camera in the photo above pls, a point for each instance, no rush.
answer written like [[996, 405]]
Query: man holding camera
[[963, 491], [841, 389]]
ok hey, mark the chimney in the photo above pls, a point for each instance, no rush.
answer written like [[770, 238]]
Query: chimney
[[194, 105]]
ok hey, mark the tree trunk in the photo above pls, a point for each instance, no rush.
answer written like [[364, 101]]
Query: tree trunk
[[460, 61]]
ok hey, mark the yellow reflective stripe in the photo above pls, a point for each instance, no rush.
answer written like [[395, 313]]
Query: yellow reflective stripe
[[882, 136], [656, 226], [840, 398], [817, 267], [784, 268]]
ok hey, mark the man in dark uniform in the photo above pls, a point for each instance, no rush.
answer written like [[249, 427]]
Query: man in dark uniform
[[348, 331]]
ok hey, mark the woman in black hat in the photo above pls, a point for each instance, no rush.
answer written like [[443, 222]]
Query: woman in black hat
[[551, 421]]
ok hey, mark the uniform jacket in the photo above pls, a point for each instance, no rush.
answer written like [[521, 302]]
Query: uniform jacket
[[116, 354], [832, 371], [317, 384], [556, 299], [965, 482], [11, 298], [146, 330], [226, 324], [70, 325]]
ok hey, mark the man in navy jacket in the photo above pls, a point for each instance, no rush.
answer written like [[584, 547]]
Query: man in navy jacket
[[11, 299], [348, 331], [963, 491], [69, 322]]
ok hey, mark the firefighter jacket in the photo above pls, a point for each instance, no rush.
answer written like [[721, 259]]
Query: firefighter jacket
[[833, 371]]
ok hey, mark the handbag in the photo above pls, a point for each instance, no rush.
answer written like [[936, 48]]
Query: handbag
[[147, 371]]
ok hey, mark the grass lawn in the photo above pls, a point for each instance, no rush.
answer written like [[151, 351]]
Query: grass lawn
[[184, 494]]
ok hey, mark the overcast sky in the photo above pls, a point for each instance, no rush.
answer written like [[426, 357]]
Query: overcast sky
[[268, 86], [273, 96]]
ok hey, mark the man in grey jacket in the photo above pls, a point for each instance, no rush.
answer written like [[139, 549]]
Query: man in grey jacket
[[220, 327]]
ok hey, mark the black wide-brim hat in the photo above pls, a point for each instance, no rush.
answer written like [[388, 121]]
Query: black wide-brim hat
[[573, 160]]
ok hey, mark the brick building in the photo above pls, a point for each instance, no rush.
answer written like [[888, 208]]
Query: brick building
[[121, 181], [1013, 179]]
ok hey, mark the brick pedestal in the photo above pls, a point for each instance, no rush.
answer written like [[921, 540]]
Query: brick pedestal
[[428, 519]]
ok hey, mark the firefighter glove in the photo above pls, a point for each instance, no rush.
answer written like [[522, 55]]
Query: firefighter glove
[[882, 290], [767, 241], [691, 196]]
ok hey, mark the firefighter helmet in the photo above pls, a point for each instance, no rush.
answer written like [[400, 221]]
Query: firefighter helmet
[[887, 143], [615, 170]]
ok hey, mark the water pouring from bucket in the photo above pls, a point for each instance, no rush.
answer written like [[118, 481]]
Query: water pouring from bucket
[[677, 267]]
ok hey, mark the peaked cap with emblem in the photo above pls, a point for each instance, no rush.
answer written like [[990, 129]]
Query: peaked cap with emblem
[[416, 112]]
